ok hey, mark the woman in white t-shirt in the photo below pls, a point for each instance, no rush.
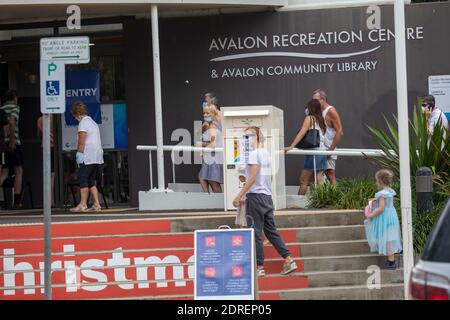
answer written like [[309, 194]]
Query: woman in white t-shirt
[[259, 205], [89, 157]]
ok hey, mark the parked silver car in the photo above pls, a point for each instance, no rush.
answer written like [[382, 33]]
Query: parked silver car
[[430, 278]]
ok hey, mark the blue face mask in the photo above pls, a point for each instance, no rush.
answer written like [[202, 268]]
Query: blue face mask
[[207, 119], [306, 112]]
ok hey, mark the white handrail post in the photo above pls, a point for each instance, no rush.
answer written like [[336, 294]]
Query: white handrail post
[[315, 173], [158, 99], [402, 114], [151, 168], [173, 166]]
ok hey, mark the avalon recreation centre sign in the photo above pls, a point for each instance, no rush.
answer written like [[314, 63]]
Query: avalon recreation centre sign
[[276, 54]]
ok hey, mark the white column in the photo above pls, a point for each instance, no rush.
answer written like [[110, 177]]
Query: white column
[[402, 111], [158, 100]]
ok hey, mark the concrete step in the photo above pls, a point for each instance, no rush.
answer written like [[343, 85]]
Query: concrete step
[[330, 233], [280, 282], [331, 263], [351, 277], [308, 286], [298, 234], [327, 248], [128, 248], [331, 278], [144, 245], [276, 286], [283, 219], [386, 292], [85, 228]]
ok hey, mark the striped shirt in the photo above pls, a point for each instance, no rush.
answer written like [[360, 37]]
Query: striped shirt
[[12, 110]]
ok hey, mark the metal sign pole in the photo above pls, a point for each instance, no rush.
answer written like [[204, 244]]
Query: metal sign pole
[[402, 110], [47, 189], [55, 54], [158, 99]]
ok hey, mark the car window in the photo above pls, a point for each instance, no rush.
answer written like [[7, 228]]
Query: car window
[[438, 245]]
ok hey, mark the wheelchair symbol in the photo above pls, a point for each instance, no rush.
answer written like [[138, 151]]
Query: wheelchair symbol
[[52, 88]]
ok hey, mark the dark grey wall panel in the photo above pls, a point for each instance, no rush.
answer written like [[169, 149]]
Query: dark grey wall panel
[[140, 107], [360, 97]]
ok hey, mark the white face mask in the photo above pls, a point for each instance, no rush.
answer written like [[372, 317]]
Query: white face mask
[[251, 140]]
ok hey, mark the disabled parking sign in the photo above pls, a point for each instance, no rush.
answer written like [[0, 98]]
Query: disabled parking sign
[[224, 264], [53, 87]]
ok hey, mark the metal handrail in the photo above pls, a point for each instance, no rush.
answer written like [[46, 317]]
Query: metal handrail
[[346, 152]]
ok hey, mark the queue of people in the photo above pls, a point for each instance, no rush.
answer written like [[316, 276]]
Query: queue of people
[[11, 150], [89, 151], [324, 119]]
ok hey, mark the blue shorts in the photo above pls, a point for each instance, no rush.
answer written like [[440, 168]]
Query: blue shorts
[[321, 163]]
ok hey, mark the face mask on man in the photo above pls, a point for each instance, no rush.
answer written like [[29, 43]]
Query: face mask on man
[[425, 106]]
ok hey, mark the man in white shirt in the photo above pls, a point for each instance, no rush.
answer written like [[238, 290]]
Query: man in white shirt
[[333, 133], [433, 114]]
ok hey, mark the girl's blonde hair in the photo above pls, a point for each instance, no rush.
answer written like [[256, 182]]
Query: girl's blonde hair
[[385, 177], [213, 110], [259, 134], [78, 109]]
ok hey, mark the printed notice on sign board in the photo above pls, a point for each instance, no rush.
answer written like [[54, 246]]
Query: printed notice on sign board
[[224, 265], [439, 87]]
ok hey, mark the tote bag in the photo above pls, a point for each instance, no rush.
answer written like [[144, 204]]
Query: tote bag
[[311, 138]]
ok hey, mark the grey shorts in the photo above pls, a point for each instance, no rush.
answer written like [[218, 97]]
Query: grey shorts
[[331, 163]]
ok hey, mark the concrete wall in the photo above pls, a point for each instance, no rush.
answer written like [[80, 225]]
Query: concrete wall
[[361, 97]]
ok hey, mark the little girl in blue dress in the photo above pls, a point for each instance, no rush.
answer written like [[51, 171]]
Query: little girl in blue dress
[[382, 224]]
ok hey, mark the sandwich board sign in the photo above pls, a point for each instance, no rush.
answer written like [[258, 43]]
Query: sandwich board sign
[[224, 264]]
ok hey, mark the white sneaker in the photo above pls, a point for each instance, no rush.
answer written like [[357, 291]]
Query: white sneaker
[[260, 272], [289, 267]]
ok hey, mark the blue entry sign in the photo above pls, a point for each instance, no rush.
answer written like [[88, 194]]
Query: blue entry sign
[[224, 264]]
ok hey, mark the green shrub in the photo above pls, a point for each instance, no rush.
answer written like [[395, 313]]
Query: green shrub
[[433, 153], [350, 193]]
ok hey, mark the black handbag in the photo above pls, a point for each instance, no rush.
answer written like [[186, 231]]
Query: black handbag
[[311, 139]]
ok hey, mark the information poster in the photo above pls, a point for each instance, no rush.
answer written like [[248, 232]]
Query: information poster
[[439, 87], [224, 264], [113, 129]]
